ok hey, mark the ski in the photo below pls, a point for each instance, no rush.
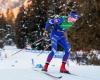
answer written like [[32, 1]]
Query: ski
[[50, 74], [53, 76], [72, 74]]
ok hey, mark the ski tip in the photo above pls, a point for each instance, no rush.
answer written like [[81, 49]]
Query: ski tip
[[60, 77]]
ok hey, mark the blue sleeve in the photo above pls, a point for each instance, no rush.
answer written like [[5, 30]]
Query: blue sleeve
[[53, 21], [48, 24]]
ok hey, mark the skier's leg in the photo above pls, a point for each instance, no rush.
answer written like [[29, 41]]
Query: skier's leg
[[53, 50], [50, 56], [66, 47]]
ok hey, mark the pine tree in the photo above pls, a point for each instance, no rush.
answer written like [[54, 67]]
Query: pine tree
[[40, 17], [20, 29], [2, 30], [10, 34]]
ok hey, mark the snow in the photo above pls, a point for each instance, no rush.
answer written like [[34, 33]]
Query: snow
[[21, 67]]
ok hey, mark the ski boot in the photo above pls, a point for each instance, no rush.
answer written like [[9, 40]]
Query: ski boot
[[63, 69], [45, 68]]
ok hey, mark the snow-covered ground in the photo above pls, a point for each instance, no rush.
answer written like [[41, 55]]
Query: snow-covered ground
[[21, 67]]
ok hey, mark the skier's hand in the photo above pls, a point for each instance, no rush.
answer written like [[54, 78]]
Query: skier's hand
[[45, 34]]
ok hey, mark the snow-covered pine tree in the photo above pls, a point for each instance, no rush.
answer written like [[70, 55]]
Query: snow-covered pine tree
[[2, 30]]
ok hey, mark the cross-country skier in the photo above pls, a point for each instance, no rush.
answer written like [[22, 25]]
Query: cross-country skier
[[59, 26]]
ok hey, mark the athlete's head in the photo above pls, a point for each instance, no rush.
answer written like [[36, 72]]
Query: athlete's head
[[73, 16]]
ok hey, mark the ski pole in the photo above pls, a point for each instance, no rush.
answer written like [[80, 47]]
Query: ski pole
[[44, 50], [24, 48], [17, 52], [38, 40]]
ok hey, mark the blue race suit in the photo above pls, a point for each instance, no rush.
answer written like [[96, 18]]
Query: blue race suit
[[57, 37]]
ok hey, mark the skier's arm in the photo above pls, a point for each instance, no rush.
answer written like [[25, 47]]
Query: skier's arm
[[51, 22], [48, 24]]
